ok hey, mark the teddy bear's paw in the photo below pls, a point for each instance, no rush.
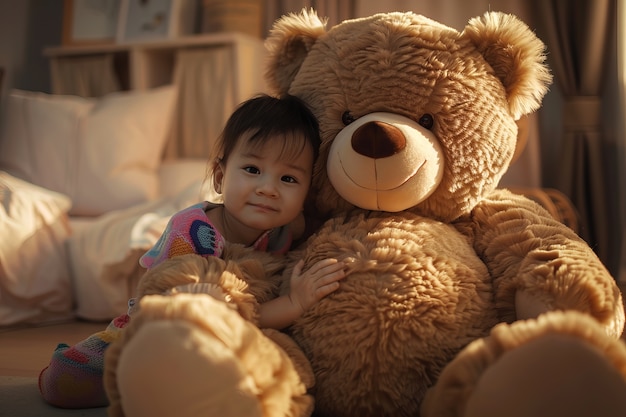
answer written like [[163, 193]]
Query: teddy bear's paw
[[211, 289], [225, 281], [562, 363], [191, 355], [607, 310]]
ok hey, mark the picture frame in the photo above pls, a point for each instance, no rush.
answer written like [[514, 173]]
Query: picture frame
[[89, 22], [145, 20]]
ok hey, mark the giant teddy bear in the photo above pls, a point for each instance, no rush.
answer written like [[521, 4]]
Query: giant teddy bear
[[460, 298]]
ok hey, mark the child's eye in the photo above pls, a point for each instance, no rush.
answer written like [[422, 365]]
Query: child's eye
[[289, 179], [251, 170]]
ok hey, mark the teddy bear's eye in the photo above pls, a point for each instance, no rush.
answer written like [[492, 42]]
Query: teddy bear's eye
[[426, 121], [347, 118]]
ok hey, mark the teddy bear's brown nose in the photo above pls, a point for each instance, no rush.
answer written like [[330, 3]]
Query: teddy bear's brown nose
[[378, 140]]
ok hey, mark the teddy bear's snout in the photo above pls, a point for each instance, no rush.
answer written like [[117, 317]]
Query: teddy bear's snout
[[385, 161], [378, 140]]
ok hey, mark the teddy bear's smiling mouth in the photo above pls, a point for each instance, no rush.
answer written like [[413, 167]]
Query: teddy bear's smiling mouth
[[376, 188], [394, 182]]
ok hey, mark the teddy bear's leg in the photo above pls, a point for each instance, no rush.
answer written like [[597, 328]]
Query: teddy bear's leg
[[556, 375], [170, 368], [193, 355], [562, 363]]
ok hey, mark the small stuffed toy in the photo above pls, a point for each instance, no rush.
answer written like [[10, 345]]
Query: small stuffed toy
[[455, 287]]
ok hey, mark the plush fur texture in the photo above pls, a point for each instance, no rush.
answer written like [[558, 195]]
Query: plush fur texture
[[246, 278], [412, 300], [453, 273], [409, 65], [428, 279]]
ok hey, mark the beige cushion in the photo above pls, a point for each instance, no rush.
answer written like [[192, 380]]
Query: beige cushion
[[103, 153]]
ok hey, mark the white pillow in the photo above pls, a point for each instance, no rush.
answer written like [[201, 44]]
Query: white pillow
[[103, 153], [34, 277]]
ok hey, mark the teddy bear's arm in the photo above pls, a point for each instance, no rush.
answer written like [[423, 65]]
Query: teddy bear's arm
[[539, 264]]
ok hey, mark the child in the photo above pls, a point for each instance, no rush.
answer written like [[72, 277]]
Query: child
[[262, 169]]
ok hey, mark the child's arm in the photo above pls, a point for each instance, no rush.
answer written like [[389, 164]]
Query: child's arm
[[306, 289]]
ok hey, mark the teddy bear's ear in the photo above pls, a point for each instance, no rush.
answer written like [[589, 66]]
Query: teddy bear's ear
[[288, 44], [516, 55]]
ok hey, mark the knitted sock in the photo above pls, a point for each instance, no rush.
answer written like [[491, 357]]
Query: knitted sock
[[73, 379]]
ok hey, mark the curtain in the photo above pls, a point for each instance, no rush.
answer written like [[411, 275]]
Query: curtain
[[90, 76], [578, 33], [206, 97]]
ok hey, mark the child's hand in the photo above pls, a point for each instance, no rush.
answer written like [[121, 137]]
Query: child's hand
[[316, 283]]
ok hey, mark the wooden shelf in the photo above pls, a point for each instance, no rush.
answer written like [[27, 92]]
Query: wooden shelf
[[213, 39], [147, 64]]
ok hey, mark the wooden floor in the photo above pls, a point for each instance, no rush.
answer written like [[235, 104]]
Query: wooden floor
[[25, 351]]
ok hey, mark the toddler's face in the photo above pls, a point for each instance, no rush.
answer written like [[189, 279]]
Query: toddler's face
[[262, 188]]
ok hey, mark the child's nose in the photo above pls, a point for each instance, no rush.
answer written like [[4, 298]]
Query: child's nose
[[267, 186]]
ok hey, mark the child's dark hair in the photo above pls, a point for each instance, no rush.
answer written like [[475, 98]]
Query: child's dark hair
[[263, 117]]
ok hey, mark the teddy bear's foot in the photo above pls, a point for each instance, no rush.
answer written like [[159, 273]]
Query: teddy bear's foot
[[562, 364], [557, 375], [192, 355], [163, 372]]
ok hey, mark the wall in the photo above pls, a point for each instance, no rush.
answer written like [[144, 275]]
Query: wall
[[26, 28], [453, 13]]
